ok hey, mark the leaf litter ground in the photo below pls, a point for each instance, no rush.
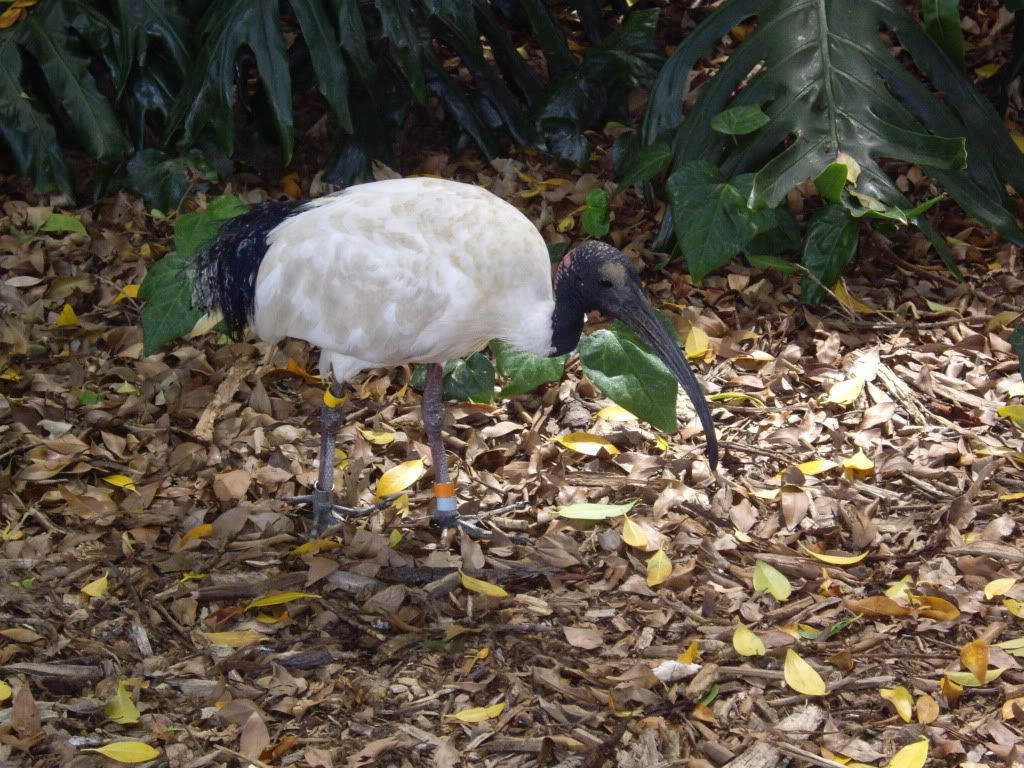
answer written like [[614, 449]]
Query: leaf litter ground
[[156, 589]]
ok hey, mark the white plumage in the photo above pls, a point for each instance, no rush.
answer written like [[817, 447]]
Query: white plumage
[[417, 270]]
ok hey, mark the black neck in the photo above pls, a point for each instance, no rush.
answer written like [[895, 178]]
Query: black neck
[[567, 319]]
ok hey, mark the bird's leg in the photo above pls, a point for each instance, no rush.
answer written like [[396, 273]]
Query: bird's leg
[[321, 500], [446, 512]]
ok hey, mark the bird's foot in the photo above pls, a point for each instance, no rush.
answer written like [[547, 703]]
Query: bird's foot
[[447, 517], [326, 513]]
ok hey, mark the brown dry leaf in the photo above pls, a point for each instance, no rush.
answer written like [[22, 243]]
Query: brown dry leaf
[[937, 608], [927, 709], [254, 737], [582, 637]]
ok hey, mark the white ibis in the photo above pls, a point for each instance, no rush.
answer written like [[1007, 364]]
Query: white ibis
[[417, 270]]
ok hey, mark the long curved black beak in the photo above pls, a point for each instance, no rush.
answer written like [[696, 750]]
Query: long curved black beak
[[638, 314]]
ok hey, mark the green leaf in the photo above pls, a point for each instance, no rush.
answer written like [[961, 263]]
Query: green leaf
[[208, 95], [325, 56], [777, 263], [87, 397], [63, 222], [595, 511], [711, 217], [739, 121], [596, 219], [470, 379], [627, 372], [194, 230], [942, 23], [830, 243], [645, 165], [1017, 342], [353, 39], [524, 370], [164, 180], [397, 26], [168, 313], [831, 181]]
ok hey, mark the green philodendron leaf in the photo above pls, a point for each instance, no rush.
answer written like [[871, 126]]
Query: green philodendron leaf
[[596, 218], [164, 180], [840, 93], [645, 164], [167, 288], [631, 375], [739, 121], [711, 217], [469, 379], [942, 23], [524, 370], [830, 243], [168, 313], [831, 181], [1017, 342], [194, 230]]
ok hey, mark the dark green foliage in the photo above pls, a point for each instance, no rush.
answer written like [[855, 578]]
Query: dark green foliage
[[469, 379], [1017, 342], [596, 216], [167, 289], [830, 243], [176, 73], [832, 91]]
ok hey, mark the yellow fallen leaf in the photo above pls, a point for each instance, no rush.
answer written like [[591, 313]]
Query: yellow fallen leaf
[[120, 481], [377, 438], [900, 589], [901, 699], [1011, 707], [1018, 139], [315, 547], [746, 642], [834, 559], [974, 658], [121, 709], [127, 751], [770, 580], [130, 291], [858, 466], [236, 639], [97, 587], [587, 444], [998, 587], [1015, 607], [1002, 497], [273, 617], [986, 71], [690, 655], [850, 301], [481, 586], [394, 538], [614, 413], [937, 608], [1014, 646], [298, 370], [1014, 413], [950, 691], [67, 317], [801, 676], [201, 531], [398, 478], [769, 494], [816, 466], [9, 374], [633, 534], [697, 343], [661, 443], [279, 599], [846, 392], [659, 568], [290, 186], [5, 691], [479, 714], [911, 756], [968, 680]]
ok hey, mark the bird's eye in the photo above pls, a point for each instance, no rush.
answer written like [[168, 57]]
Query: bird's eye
[[606, 283]]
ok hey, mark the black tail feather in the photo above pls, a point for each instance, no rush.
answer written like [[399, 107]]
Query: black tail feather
[[226, 269]]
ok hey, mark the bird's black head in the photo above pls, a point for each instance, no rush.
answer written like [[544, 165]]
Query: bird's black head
[[595, 275]]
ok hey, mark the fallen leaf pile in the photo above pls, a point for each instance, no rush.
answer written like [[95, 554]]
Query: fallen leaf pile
[[849, 587]]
